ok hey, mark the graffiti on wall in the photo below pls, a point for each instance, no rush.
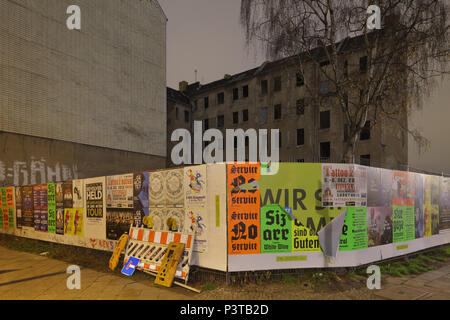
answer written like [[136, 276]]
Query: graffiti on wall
[[35, 171]]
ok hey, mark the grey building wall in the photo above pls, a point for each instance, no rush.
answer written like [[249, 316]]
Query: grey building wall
[[103, 85], [29, 160]]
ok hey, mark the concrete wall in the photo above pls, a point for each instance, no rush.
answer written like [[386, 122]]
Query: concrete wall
[[30, 160], [103, 85]]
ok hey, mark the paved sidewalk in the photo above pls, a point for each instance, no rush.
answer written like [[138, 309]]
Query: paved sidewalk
[[431, 285], [26, 276]]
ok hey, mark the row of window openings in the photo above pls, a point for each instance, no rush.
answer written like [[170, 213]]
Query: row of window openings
[[301, 141], [325, 122], [325, 150], [277, 83]]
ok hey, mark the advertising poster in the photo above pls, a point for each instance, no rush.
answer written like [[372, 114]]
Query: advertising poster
[[243, 208], [27, 207], [296, 187], [195, 187], [59, 203], [174, 188], [156, 219], [118, 222], [379, 226], [119, 191], [157, 192], [276, 225], [386, 188], [140, 197], [19, 211], [51, 204], [37, 199], [374, 187], [344, 185], [444, 204], [44, 208], [67, 194], [4, 208], [402, 188], [73, 222], [430, 205], [403, 224], [354, 231], [95, 223], [10, 206], [418, 206], [174, 219], [196, 221], [77, 194]]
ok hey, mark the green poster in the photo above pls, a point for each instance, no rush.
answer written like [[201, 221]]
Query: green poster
[[3, 205], [275, 229], [51, 207], [354, 231], [403, 224], [298, 186], [11, 217]]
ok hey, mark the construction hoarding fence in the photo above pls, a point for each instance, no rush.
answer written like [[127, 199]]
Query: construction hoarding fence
[[240, 216]]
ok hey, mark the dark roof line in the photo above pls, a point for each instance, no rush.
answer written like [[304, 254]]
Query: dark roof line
[[343, 45]]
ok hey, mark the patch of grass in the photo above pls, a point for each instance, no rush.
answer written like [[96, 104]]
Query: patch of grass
[[289, 278], [439, 258], [209, 286]]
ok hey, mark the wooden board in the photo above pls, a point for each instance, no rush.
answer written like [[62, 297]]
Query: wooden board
[[166, 273]]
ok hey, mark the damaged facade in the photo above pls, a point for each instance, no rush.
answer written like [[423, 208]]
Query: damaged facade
[[273, 96]]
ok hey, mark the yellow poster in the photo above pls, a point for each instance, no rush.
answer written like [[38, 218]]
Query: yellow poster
[[296, 187], [73, 222]]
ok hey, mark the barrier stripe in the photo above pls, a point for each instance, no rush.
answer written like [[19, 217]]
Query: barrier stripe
[[140, 234], [151, 237], [157, 237], [170, 237], [184, 238], [163, 238], [188, 244], [146, 234], [177, 237]]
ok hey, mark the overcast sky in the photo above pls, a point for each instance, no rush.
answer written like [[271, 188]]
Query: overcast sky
[[205, 35]]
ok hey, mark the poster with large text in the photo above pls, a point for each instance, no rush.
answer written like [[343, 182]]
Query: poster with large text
[[51, 205], [403, 228], [243, 208], [120, 191], [344, 185], [354, 232], [296, 188], [95, 223], [27, 207]]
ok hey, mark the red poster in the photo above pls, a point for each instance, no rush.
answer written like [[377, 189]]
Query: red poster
[[243, 208]]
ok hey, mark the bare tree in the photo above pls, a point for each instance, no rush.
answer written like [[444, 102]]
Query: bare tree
[[401, 61]]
